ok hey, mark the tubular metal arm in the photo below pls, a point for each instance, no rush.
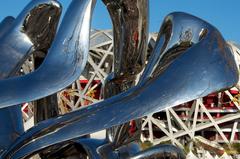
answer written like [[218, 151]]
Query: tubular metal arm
[[27, 33], [64, 62], [130, 28], [195, 61], [5, 25], [33, 23], [160, 151]]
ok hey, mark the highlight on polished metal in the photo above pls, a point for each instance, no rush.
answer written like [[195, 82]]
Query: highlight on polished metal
[[6, 24], [19, 38], [130, 32], [160, 151], [190, 56], [64, 62], [27, 33]]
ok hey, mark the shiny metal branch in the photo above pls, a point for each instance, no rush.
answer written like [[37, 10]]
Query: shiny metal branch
[[15, 49], [130, 32], [26, 34], [64, 62], [195, 61], [160, 151]]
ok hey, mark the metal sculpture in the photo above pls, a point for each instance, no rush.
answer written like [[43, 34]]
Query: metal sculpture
[[20, 38], [130, 28], [186, 45], [68, 53]]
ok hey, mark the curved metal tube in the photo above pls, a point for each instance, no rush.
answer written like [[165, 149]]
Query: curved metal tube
[[79, 148], [64, 62], [205, 66], [160, 151], [5, 25], [130, 28], [123, 151], [14, 50], [13, 128], [27, 33], [176, 36]]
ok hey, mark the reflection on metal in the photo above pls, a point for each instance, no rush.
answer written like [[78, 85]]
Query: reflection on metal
[[45, 18], [160, 151], [86, 89], [130, 28], [180, 129], [9, 131], [14, 51], [214, 117], [5, 25], [171, 67], [65, 60], [26, 33]]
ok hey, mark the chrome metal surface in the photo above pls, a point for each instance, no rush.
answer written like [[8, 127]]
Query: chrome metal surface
[[26, 34], [63, 64], [130, 28], [122, 152], [197, 62], [46, 108], [5, 25], [14, 50], [160, 151], [84, 148], [11, 125], [91, 147]]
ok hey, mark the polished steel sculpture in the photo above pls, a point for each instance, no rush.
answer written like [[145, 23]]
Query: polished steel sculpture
[[65, 60], [130, 28], [190, 60], [28, 34], [159, 152]]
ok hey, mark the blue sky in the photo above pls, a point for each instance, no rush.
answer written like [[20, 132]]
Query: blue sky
[[224, 14]]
